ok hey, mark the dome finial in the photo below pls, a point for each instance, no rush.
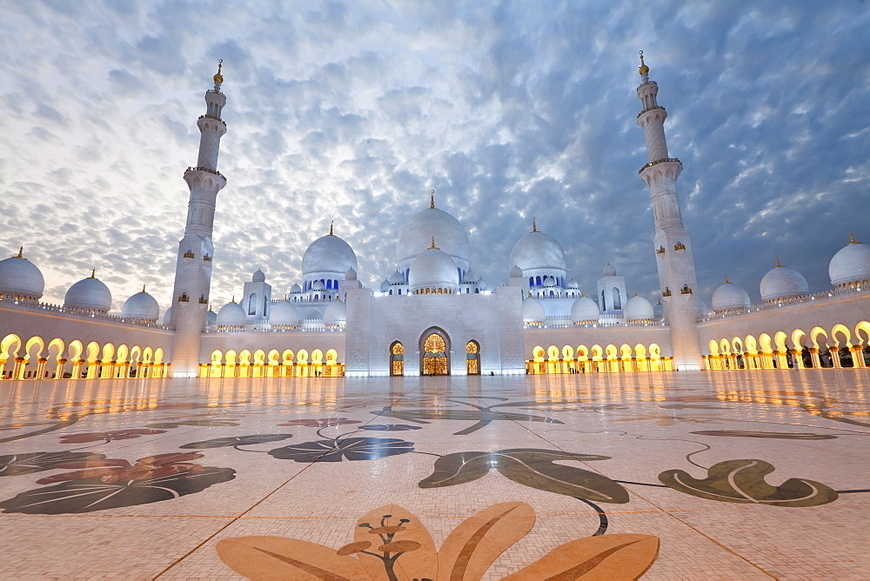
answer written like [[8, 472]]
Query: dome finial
[[218, 77], [93, 273], [432, 200], [233, 299], [851, 240], [642, 70], [21, 250], [534, 225], [726, 280], [433, 247], [143, 288], [778, 263], [330, 228]]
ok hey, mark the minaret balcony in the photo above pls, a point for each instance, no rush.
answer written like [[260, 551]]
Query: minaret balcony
[[213, 171], [658, 161], [648, 109], [212, 117]]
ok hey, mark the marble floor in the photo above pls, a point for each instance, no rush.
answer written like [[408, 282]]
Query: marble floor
[[729, 475]]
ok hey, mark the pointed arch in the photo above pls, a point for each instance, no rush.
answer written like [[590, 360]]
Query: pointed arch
[[397, 359], [472, 358], [434, 347]]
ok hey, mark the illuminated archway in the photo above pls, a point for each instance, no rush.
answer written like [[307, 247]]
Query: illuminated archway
[[472, 358], [397, 359], [434, 353]]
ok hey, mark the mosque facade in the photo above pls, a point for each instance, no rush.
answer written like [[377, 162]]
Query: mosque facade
[[433, 315]]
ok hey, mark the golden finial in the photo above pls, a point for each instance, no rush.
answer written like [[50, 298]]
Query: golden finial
[[143, 288], [534, 225], [635, 293], [433, 247], [432, 200], [726, 280], [330, 228], [851, 239], [219, 78], [233, 299], [642, 70], [21, 252], [93, 273], [778, 264]]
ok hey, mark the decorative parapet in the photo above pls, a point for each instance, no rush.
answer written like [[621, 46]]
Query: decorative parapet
[[658, 161], [38, 307], [782, 303], [213, 117], [648, 109], [206, 169]]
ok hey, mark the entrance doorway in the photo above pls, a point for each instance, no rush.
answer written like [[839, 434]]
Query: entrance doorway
[[397, 359], [435, 353]]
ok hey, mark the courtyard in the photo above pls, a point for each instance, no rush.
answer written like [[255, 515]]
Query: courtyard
[[750, 474]]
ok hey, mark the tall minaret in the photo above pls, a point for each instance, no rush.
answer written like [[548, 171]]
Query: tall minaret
[[673, 247], [195, 251]]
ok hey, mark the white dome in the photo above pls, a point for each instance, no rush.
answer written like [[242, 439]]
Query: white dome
[[516, 272], [637, 308], [533, 311], [350, 274], [471, 276], [397, 278], [335, 314], [538, 250], [850, 265], [609, 270], [781, 283], [284, 315], [328, 254], [730, 296], [385, 286], [20, 277], [89, 294], [258, 276], [417, 234], [549, 281], [482, 284], [141, 306], [433, 268], [584, 309], [231, 315], [318, 286], [210, 319], [167, 316], [573, 284], [295, 289]]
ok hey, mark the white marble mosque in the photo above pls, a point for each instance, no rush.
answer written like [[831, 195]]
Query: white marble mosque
[[433, 315]]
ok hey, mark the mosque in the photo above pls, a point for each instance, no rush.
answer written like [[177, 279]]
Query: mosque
[[433, 315]]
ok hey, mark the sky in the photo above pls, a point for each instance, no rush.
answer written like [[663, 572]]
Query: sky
[[354, 111]]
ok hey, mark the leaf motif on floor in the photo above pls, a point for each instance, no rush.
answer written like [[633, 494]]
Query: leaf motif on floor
[[743, 481], [345, 449]]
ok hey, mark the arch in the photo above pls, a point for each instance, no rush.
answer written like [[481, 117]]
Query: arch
[[252, 304], [316, 363], [397, 359], [863, 328], [31, 366], [216, 359], [54, 353], [597, 358], [655, 357], [122, 363], [472, 358], [259, 363], [568, 365], [842, 356], [553, 364], [333, 367], [230, 365], [302, 365], [434, 352], [287, 357], [640, 357], [244, 363], [767, 361], [617, 300]]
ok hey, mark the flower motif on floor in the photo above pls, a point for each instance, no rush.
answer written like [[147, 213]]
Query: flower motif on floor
[[343, 449], [392, 544], [320, 422]]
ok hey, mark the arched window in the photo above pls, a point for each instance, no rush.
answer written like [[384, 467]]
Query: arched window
[[397, 359], [603, 302], [537, 281], [266, 306], [531, 281], [252, 304], [472, 358], [435, 357], [617, 303]]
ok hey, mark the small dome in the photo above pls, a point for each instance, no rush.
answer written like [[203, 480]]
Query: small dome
[[295, 289], [549, 281], [20, 277], [850, 265], [482, 284], [284, 315], [89, 294], [328, 254], [417, 233], [385, 286], [471, 276], [231, 315], [397, 278], [538, 250], [730, 296], [167, 316], [258, 276], [573, 284], [609, 270], [350, 274], [584, 309], [433, 268], [318, 286], [335, 314], [637, 308], [782, 283], [533, 311], [516, 272], [211, 319], [141, 306]]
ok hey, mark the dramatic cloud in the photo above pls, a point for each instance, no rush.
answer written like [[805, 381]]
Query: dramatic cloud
[[353, 111]]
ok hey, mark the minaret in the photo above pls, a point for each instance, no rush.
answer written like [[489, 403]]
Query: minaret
[[673, 248], [195, 250]]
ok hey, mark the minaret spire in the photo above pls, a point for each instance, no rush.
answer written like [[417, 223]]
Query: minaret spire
[[674, 260], [196, 249]]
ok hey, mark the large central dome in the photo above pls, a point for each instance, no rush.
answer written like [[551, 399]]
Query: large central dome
[[418, 232], [537, 250], [328, 254]]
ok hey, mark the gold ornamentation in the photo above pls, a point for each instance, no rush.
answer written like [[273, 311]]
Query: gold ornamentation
[[219, 78]]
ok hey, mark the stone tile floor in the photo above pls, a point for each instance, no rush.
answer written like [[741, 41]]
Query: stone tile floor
[[731, 475]]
